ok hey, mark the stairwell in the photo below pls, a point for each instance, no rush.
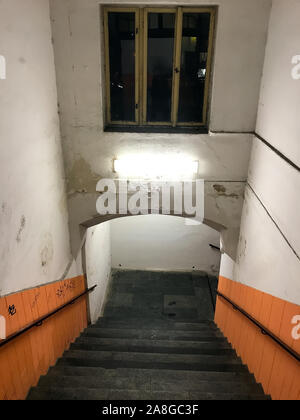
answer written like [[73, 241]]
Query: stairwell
[[156, 341]]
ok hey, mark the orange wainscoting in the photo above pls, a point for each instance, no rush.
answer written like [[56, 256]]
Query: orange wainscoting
[[25, 359], [274, 368]]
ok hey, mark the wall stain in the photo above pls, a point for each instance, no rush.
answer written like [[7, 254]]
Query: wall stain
[[82, 179], [221, 190], [214, 268], [22, 227], [47, 252], [242, 249]]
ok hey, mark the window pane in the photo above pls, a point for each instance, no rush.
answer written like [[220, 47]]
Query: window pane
[[121, 28], [161, 30], [195, 39]]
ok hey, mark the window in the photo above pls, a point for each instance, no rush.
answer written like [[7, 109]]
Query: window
[[158, 64]]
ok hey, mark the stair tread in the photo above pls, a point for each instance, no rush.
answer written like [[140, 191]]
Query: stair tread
[[151, 324], [150, 384], [113, 364], [167, 343], [56, 393], [115, 355], [152, 373], [113, 360], [154, 334], [152, 346], [165, 320]]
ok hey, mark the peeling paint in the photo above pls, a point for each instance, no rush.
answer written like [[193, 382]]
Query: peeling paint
[[220, 188]]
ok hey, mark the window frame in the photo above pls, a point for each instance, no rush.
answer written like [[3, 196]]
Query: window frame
[[135, 10], [141, 67]]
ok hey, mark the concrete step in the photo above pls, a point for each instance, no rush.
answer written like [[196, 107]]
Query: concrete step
[[57, 393], [156, 341], [154, 334], [155, 324], [153, 374], [152, 346], [150, 384], [152, 361], [162, 320]]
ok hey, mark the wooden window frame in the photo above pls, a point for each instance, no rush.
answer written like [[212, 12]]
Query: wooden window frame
[[141, 67]]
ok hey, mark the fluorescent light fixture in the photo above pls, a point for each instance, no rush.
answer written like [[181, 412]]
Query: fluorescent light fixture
[[156, 166]]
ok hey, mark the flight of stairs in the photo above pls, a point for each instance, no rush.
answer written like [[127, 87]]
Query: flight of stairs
[[156, 341]]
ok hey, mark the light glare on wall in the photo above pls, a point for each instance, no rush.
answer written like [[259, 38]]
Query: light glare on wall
[[155, 166]]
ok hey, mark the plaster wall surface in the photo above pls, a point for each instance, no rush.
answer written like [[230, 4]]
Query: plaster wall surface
[[164, 243], [34, 236], [278, 117], [276, 184], [264, 260], [98, 266], [269, 247], [227, 266]]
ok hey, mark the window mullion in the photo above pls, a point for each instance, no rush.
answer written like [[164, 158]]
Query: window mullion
[[144, 65], [141, 65], [137, 66], [177, 67], [107, 67], [208, 66]]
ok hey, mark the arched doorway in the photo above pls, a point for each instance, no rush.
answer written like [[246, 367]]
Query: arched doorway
[[140, 263]]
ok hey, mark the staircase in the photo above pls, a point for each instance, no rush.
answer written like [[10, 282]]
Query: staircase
[[156, 341]]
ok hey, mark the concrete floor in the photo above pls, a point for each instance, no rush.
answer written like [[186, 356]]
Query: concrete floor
[[161, 295]]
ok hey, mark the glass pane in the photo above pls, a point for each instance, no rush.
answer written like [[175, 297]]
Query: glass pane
[[161, 30], [121, 28], [195, 39]]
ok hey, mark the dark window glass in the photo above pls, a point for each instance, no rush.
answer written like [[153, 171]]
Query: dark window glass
[[122, 65], [161, 30], [195, 39]]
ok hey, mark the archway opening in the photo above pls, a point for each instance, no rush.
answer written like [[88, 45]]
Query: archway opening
[[152, 267]]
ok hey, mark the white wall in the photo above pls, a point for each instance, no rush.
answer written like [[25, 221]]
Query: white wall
[[34, 236], [269, 248], [227, 267], [98, 266], [89, 152], [164, 243], [279, 104]]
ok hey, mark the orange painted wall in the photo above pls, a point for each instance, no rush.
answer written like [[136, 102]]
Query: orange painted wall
[[25, 359], [276, 370]]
